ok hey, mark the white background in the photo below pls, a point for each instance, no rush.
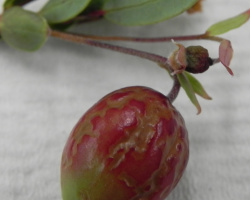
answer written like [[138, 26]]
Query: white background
[[43, 94]]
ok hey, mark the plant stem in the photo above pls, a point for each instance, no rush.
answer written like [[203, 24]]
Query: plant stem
[[173, 93], [153, 39], [216, 60], [136, 39], [82, 40], [160, 60], [213, 38]]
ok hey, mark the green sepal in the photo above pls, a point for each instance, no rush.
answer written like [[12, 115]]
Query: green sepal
[[57, 11], [23, 29], [144, 12], [186, 85], [197, 87], [228, 24]]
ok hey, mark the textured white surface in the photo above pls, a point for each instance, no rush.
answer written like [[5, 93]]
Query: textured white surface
[[43, 94]]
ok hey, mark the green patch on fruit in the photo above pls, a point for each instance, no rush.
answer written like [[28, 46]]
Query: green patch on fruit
[[95, 183]]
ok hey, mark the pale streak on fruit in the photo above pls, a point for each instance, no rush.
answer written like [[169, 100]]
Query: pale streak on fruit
[[138, 140], [84, 129], [160, 172]]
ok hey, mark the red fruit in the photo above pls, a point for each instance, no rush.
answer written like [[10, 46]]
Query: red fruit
[[131, 145]]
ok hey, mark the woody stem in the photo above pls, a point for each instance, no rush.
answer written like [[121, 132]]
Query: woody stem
[[162, 61], [82, 40], [151, 40]]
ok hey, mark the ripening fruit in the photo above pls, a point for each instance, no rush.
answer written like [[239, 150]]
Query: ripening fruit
[[131, 145]]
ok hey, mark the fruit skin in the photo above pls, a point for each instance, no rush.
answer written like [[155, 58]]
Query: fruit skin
[[131, 145]]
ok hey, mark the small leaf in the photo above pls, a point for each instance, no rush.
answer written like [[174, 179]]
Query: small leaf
[[228, 24], [185, 84], [197, 87], [23, 29], [144, 12], [56, 11], [226, 54], [11, 3]]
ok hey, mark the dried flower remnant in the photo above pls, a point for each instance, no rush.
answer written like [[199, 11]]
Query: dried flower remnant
[[177, 59], [195, 8], [194, 59]]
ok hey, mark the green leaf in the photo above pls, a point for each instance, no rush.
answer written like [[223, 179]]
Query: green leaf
[[118, 4], [144, 12], [95, 5], [23, 29], [197, 87], [228, 24], [56, 11], [185, 84], [11, 3]]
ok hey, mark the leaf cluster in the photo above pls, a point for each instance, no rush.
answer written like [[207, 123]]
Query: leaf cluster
[[28, 30]]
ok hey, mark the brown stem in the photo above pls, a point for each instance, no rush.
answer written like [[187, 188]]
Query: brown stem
[[173, 93], [154, 39], [216, 60], [213, 38], [82, 40], [162, 61], [174, 90], [136, 39]]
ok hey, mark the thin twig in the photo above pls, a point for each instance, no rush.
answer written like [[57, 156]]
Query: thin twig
[[172, 95], [160, 60], [82, 40], [151, 39]]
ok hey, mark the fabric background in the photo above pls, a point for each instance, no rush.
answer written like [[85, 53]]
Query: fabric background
[[43, 94]]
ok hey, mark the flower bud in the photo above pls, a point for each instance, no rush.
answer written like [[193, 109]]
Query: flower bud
[[198, 60]]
